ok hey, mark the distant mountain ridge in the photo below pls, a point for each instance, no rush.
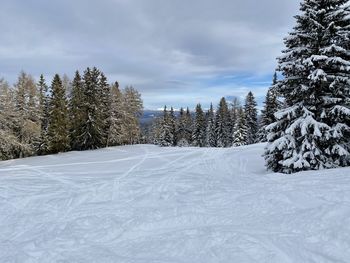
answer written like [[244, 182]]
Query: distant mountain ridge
[[149, 115]]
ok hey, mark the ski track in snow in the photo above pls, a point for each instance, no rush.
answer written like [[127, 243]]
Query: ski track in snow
[[145, 204]]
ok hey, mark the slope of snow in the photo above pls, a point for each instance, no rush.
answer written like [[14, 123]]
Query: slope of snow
[[146, 204]]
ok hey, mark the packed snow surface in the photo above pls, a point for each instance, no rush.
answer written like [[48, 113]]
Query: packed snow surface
[[148, 204]]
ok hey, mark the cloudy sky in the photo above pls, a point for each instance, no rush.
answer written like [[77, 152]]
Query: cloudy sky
[[177, 53]]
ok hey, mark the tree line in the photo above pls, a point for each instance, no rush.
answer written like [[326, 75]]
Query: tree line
[[226, 126], [83, 114], [308, 126], [305, 120]]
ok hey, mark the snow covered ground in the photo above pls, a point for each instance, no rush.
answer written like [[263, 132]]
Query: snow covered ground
[[148, 204]]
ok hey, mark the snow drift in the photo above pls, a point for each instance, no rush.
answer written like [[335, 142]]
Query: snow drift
[[149, 204]]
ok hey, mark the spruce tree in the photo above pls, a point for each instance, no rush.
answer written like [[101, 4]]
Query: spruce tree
[[77, 112], [172, 120], [58, 130], [312, 130], [181, 129], [199, 128], [210, 130], [44, 112], [156, 130], [166, 138], [104, 93], [240, 133], [223, 125], [236, 106], [251, 115], [67, 85], [271, 106], [188, 126], [92, 135], [235, 109]]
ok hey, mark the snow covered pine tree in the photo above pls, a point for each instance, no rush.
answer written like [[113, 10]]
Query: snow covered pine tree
[[199, 128], [312, 131], [251, 115], [173, 128], [210, 130], [223, 125], [166, 137], [271, 106], [240, 129], [188, 126]]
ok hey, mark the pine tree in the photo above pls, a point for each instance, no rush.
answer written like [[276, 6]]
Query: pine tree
[[156, 130], [104, 93], [173, 128], [44, 113], [312, 131], [58, 130], [223, 125], [188, 126], [199, 128], [210, 130], [271, 106], [67, 85], [181, 129], [240, 133], [235, 110], [92, 136], [251, 115], [236, 106], [166, 137], [77, 112]]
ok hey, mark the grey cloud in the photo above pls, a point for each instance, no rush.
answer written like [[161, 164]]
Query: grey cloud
[[160, 46]]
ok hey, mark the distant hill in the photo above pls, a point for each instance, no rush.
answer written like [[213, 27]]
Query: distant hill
[[149, 115]]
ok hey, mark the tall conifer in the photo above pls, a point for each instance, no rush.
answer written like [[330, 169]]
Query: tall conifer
[[199, 128], [271, 106], [58, 130], [77, 112], [44, 112], [210, 130], [312, 130], [251, 115], [223, 125]]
